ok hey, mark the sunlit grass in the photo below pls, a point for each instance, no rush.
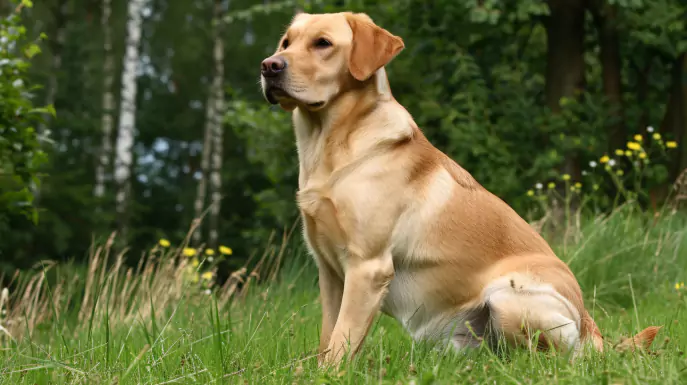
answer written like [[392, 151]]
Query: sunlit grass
[[152, 324]]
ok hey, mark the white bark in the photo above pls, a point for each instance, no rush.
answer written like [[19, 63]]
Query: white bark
[[201, 191], [127, 113], [217, 131], [103, 166]]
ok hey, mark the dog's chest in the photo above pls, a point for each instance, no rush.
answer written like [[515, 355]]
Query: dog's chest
[[321, 229]]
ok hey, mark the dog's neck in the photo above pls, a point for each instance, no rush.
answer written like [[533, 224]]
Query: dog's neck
[[326, 136]]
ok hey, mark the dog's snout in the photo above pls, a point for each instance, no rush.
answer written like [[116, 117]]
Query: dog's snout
[[272, 66]]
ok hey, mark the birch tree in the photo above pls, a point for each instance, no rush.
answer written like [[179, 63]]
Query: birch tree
[[127, 115], [215, 119], [103, 164], [212, 137]]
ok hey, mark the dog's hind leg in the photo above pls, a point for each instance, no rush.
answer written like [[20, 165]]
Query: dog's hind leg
[[524, 311]]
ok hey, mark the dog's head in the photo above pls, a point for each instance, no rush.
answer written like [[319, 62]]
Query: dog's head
[[323, 55]]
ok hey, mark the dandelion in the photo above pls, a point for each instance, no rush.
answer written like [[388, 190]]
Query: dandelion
[[592, 164], [650, 129], [207, 276], [679, 285], [195, 262], [620, 172], [551, 186], [539, 186], [189, 252], [634, 146], [566, 176], [656, 136], [619, 152], [638, 138], [578, 185], [225, 250], [671, 144], [628, 153], [642, 155], [604, 159], [163, 242], [530, 193], [209, 252]]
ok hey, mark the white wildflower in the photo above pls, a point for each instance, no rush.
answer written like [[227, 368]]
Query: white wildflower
[[611, 162], [650, 129], [539, 186], [592, 164]]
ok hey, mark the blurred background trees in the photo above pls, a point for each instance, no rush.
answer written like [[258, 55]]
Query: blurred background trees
[[160, 115]]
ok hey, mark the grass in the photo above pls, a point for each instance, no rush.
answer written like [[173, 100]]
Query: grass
[[152, 324]]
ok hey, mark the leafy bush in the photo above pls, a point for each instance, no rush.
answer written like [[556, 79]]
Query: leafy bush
[[20, 147]]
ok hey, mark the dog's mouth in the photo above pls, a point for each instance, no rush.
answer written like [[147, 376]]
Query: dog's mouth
[[277, 95]]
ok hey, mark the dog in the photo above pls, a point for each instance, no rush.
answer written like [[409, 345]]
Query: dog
[[394, 224]]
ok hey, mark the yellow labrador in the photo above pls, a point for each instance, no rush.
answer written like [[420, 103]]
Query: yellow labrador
[[396, 225]]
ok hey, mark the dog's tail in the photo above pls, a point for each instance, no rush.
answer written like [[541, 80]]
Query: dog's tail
[[591, 334]]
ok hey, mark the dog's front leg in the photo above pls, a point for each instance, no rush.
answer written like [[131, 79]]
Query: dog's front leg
[[331, 292], [365, 286]]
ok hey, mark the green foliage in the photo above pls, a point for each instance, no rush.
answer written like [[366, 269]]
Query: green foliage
[[473, 75], [21, 155]]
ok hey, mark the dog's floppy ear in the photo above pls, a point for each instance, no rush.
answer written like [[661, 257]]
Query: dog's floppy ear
[[373, 47]]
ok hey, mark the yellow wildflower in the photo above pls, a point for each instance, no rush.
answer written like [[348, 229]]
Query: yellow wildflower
[[163, 242], [634, 146], [604, 159], [619, 152], [656, 136], [578, 185], [530, 193], [207, 275], [209, 252], [638, 138], [671, 144], [642, 155], [225, 250], [628, 153], [620, 172], [195, 262], [551, 185], [189, 252], [566, 176], [679, 285]]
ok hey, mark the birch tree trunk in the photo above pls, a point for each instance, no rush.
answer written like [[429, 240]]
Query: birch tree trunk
[[216, 122], [103, 165], [127, 115], [201, 191]]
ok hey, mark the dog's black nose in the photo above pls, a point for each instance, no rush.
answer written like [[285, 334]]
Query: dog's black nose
[[272, 66]]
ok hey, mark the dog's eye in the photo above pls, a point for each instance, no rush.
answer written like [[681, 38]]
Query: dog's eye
[[285, 44], [322, 43]]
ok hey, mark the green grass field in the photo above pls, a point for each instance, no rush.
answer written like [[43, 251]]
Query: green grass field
[[104, 324]]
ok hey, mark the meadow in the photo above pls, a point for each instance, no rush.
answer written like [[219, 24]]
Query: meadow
[[163, 322]]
